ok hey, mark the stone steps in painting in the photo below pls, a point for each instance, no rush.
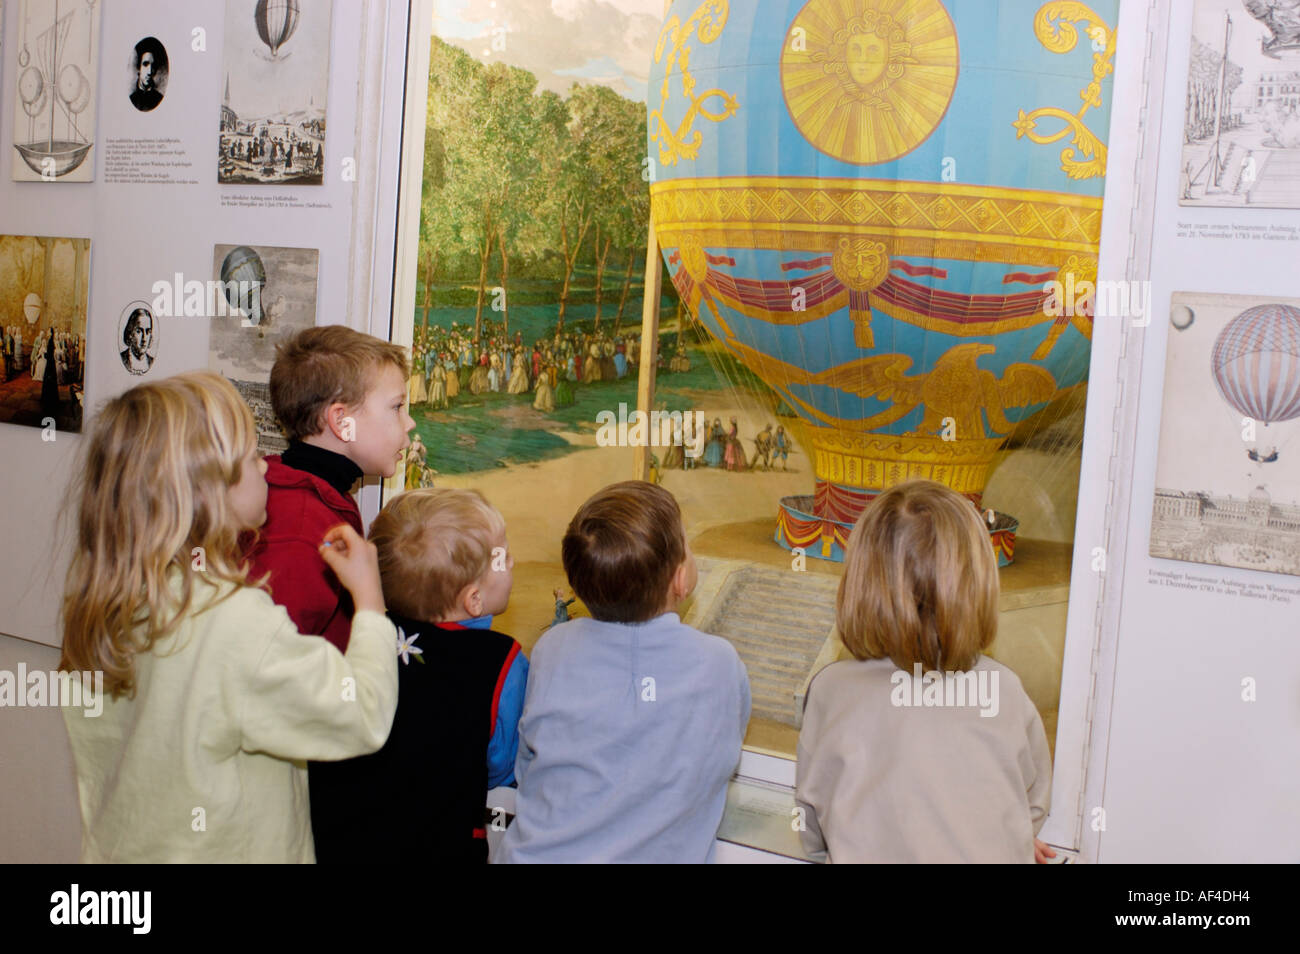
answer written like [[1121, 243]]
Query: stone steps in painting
[[781, 623]]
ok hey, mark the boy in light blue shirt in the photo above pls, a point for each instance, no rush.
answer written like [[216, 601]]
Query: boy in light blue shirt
[[633, 721]]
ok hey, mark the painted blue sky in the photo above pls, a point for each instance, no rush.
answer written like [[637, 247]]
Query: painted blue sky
[[606, 42]]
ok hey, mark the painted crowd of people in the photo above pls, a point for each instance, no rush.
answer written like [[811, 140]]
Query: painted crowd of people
[[63, 351], [724, 449], [448, 363]]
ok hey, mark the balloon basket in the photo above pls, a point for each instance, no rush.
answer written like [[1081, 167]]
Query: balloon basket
[[824, 538], [67, 155]]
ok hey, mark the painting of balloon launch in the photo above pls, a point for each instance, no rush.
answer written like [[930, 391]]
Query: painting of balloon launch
[[275, 83], [872, 217], [57, 49], [1227, 486], [263, 296]]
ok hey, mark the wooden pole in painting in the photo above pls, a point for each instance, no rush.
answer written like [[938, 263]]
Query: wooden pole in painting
[[645, 385], [645, 388]]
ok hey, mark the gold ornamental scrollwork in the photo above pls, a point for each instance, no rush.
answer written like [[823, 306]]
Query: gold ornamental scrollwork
[[707, 23], [1054, 25]]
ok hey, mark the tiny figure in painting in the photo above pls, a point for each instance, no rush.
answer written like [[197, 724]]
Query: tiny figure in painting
[[734, 455], [544, 398], [561, 607], [781, 447], [763, 448], [715, 450]]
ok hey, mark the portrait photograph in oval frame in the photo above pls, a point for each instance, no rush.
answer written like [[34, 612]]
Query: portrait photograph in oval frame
[[149, 73]]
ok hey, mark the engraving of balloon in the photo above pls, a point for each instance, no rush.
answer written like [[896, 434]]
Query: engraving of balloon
[[56, 90], [276, 20], [74, 88], [31, 85]]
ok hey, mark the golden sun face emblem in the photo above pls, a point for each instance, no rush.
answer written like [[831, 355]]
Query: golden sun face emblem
[[866, 56], [867, 81]]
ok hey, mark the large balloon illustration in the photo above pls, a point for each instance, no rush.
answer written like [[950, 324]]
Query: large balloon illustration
[[855, 199], [1256, 367], [276, 21]]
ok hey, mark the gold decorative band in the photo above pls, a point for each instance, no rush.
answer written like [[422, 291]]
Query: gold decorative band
[[926, 219], [879, 461]]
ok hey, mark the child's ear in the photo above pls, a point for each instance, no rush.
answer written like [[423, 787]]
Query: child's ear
[[471, 600], [681, 582], [338, 422]]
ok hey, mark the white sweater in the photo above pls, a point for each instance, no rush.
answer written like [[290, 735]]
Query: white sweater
[[205, 763]]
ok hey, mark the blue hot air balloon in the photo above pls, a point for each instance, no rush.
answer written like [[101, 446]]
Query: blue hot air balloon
[[276, 21], [889, 210]]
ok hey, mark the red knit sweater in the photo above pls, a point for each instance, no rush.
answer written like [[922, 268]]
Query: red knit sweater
[[300, 508]]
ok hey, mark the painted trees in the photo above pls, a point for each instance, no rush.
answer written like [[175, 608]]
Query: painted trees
[[516, 175]]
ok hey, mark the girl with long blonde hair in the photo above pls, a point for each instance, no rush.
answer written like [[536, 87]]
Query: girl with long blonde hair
[[215, 698]]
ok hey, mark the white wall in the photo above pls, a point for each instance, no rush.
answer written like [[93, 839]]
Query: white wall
[[39, 818]]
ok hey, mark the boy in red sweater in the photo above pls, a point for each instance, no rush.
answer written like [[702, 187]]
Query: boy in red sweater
[[340, 396]]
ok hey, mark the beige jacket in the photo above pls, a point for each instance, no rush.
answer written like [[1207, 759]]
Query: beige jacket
[[884, 777], [205, 762]]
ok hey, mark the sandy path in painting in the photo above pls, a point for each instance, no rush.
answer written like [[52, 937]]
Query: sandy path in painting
[[538, 499]]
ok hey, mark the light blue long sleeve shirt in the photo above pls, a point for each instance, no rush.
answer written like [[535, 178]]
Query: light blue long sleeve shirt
[[629, 736]]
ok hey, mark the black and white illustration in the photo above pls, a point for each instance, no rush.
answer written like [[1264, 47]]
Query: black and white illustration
[[149, 72], [57, 46], [137, 338], [275, 82], [262, 295], [1241, 133], [1228, 472]]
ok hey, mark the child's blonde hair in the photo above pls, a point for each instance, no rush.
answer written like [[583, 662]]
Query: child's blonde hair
[[152, 498], [920, 580], [432, 544]]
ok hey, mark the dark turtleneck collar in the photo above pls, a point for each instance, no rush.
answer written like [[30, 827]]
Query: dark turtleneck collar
[[335, 469]]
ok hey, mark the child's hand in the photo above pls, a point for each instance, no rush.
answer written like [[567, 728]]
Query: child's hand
[[356, 563], [1042, 852]]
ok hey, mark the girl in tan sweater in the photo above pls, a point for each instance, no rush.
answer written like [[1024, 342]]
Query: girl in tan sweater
[[921, 749]]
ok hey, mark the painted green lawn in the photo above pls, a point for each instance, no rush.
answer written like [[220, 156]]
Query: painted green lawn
[[480, 432]]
